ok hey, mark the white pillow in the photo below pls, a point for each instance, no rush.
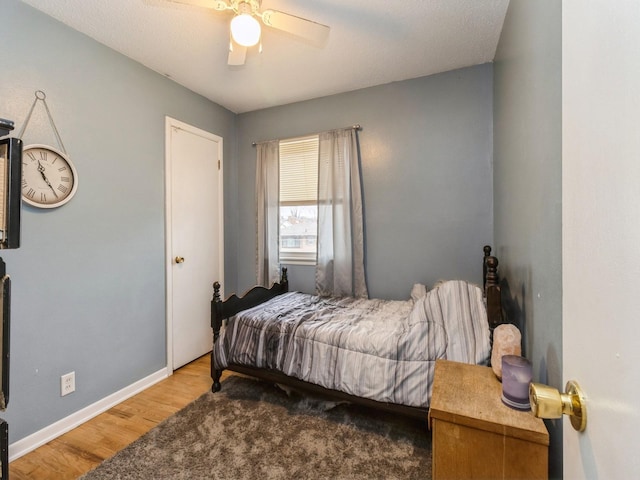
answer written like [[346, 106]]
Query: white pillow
[[459, 307], [418, 291]]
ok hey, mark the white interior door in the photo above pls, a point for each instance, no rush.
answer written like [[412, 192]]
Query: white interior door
[[194, 238], [601, 234]]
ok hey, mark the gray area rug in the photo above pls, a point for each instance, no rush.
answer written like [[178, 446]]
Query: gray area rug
[[254, 430]]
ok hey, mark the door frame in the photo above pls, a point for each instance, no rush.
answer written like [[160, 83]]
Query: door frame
[[172, 123]]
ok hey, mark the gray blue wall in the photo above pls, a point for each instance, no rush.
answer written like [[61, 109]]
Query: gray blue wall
[[427, 171], [427, 153], [528, 186], [89, 279]]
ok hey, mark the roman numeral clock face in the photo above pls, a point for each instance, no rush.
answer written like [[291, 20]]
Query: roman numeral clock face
[[49, 179]]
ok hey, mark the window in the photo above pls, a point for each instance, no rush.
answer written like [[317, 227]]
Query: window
[[299, 200]]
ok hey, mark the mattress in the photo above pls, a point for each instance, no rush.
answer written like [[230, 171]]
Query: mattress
[[384, 350]]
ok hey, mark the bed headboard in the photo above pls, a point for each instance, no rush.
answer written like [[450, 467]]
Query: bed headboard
[[492, 288]]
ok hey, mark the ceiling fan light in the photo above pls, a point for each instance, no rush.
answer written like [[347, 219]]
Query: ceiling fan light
[[245, 30]]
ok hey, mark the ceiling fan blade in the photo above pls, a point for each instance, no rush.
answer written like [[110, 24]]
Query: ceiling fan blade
[[301, 27], [237, 54], [213, 4]]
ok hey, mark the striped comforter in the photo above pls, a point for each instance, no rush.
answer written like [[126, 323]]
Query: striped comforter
[[384, 350]]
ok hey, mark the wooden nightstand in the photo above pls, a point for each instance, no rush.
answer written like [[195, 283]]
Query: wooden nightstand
[[475, 435]]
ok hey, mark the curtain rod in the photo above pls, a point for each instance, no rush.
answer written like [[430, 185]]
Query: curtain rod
[[353, 127]]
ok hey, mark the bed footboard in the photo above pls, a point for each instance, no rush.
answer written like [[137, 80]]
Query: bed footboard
[[221, 310]]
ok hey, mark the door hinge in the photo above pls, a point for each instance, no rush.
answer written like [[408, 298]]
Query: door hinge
[[218, 164]]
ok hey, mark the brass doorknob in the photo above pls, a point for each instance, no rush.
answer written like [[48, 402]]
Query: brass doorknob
[[179, 259], [548, 402]]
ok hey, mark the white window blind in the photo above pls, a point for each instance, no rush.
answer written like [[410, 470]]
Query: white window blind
[[299, 171], [298, 200]]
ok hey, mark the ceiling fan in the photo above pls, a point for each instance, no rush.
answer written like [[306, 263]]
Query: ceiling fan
[[245, 29]]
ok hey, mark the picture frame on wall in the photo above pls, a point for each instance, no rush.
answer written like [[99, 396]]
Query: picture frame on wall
[[10, 192], [5, 322]]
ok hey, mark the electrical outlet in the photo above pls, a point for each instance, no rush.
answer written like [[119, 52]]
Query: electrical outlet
[[67, 383]]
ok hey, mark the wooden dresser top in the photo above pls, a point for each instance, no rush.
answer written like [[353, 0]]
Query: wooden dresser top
[[470, 395]]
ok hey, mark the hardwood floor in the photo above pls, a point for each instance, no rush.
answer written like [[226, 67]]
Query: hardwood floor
[[81, 449]]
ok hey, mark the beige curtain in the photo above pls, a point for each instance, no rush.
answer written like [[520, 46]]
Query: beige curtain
[[340, 264], [267, 188]]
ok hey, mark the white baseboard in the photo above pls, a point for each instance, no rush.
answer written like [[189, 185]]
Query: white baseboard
[[39, 438]]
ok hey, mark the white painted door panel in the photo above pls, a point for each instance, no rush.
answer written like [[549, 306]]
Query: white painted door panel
[[195, 236], [601, 234]]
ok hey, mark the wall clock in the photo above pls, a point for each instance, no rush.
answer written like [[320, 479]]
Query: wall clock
[[49, 179]]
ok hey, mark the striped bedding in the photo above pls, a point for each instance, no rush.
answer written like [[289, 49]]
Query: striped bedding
[[384, 350]]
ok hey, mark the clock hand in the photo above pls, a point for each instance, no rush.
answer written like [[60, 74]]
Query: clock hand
[[44, 177]]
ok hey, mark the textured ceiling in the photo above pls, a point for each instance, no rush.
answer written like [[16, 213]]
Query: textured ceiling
[[371, 42]]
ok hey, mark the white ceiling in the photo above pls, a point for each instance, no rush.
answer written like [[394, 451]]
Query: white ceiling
[[372, 42]]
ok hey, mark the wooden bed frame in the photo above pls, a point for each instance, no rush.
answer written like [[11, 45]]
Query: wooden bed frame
[[221, 310]]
